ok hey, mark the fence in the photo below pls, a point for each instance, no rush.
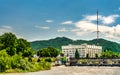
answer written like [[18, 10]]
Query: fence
[[94, 62]]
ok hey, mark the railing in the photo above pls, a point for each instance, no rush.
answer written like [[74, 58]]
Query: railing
[[95, 62]]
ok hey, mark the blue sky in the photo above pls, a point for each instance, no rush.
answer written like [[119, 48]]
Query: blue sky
[[46, 19]]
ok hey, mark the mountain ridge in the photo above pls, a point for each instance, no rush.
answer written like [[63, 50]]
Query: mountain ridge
[[59, 41]]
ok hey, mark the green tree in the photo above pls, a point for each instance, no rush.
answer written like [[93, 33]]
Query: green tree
[[12, 45], [21, 45], [96, 55], [87, 56], [77, 55], [9, 42], [53, 51], [48, 52], [11, 51], [1, 46], [28, 52], [24, 48], [43, 53], [109, 54]]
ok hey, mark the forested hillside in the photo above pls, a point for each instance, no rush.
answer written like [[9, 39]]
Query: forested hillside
[[59, 41]]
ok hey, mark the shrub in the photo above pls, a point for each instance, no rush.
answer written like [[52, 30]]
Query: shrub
[[84, 61], [13, 70], [38, 60], [30, 59], [15, 61], [34, 60], [45, 65], [48, 59], [5, 62]]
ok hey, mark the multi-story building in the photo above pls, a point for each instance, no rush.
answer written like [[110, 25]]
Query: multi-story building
[[83, 49]]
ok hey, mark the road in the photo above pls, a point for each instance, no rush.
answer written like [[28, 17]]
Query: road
[[74, 70]]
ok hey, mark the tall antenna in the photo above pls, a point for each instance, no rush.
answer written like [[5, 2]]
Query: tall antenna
[[114, 32], [97, 30]]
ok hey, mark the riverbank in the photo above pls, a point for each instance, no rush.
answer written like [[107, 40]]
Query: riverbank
[[75, 70]]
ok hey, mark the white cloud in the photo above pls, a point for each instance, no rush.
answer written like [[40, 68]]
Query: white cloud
[[119, 8], [111, 37], [49, 21], [67, 22], [109, 19], [104, 19], [91, 17], [87, 27], [75, 30], [5, 29], [81, 33], [62, 30], [42, 27]]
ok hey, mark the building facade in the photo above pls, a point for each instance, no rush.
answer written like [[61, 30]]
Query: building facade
[[83, 49]]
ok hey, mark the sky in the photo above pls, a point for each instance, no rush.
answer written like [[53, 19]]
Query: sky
[[47, 19]]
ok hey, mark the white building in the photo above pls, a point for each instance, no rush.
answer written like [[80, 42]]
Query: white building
[[83, 49]]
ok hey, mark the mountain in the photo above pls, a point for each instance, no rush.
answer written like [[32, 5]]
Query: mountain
[[59, 41]]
